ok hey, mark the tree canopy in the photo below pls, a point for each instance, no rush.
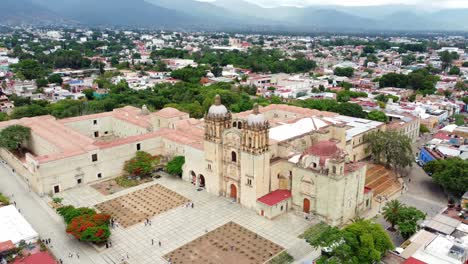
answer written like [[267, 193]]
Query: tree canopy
[[142, 164], [390, 148], [377, 116], [421, 80], [175, 165], [405, 217], [13, 136], [451, 174], [347, 71], [360, 242], [85, 224]]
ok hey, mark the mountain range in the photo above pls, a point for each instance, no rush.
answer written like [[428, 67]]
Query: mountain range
[[231, 15]]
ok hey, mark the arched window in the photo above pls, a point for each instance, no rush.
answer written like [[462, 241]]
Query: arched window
[[239, 125], [334, 169], [314, 165], [233, 156], [234, 124], [250, 142]]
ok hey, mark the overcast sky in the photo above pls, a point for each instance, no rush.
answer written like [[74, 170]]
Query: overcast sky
[[425, 3]]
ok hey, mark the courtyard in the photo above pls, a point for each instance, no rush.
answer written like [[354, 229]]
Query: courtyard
[[143, 204], [173, 228], [230, 244]]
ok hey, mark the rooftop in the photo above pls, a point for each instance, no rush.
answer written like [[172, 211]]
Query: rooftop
[[275, 197]]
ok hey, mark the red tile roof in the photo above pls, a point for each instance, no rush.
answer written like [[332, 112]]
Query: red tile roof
[[412, 260], [442, 135], [275, 197], [7, 245], [323, 148], [39, 258]]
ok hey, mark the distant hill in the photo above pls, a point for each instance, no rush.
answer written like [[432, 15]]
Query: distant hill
[[231, 15], [27, 12], [119, 13]]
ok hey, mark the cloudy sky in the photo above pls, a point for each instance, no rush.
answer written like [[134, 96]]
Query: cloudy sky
[[426, 3]]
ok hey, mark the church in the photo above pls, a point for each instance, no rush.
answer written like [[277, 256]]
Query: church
[[273, 159]]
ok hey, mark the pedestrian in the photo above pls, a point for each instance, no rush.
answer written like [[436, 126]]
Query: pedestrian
[[149, 222], [192, 205], [152, 241], [14, 203], [48, 240], [61, 261], [409, 179], [128, 256], [110, 243], [159, 242], [107, 245], [77, 255]]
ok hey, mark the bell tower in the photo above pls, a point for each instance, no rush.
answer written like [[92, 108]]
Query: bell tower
[[255, 133], [255, 158], [217, 120]]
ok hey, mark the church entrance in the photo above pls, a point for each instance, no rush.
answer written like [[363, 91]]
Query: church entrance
[[202, 181], [306, 206], [233, 192], [194, 177]]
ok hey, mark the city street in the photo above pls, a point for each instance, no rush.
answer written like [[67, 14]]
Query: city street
[[44, 220], [421, 193]]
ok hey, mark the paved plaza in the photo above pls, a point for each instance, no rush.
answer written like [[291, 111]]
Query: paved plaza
[[228, 244], [143, 204], [173, 228]]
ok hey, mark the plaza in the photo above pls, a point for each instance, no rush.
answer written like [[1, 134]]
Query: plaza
[[230, 244], [143, 204], [173, 228]]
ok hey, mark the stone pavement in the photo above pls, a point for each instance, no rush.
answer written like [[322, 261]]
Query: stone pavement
[[173, 228], [182, 225]]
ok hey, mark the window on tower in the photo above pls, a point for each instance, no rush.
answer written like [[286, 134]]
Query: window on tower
[[233, 156]]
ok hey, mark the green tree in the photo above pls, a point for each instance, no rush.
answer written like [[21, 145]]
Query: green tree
[[41, 82], [408, 222], [28, 111], [89, 93], [451, 174], [423, 129], [347, 71], [390, 148], [368, 49], [454, 71], [14, 136], [360, 242], [217, 71], [350, 109], [447, 57], [459, 119], [175, 165], [377, 116], [4, 116], [142, 164], [392, 212], [55, 78], [29, 69]]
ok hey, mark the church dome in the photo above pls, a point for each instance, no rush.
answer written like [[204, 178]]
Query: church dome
[[217, 109], [256, 118]]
